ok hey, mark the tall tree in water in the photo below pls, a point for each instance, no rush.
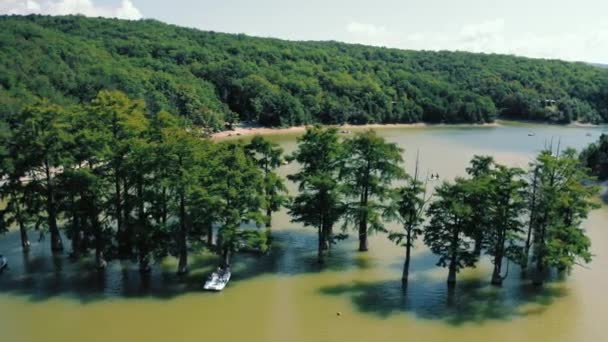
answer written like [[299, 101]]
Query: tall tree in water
[[503, 235], [564, 200], [319, 203], [372, 165], [407, 207], [237, 184], [480, 171], [448, 232], [267, 156], [39, 152], [122, 120], [183, 157]]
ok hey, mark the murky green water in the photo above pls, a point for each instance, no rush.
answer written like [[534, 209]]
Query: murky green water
[[285, 297]]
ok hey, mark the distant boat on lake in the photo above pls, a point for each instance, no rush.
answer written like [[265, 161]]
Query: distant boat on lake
[[531, 134]]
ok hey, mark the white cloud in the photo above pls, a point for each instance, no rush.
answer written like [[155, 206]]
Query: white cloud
[[493, 36], [368, 30], [126, 10]]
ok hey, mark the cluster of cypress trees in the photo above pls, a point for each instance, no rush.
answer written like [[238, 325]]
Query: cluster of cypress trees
[[127, 183], [510, 214]]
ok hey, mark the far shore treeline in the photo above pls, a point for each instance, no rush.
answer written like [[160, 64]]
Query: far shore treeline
[[125, 182], [212, 78]]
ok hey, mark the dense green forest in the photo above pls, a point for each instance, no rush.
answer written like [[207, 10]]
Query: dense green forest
[[212, 78]]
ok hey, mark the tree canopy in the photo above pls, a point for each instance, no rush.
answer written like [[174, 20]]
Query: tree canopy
[[211, 78]]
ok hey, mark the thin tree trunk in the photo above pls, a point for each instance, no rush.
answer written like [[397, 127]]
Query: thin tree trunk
[[99, 245], [76, 241], [118, 210], [363, 222], [209, 234], [183, 233], [226, 256], [406, 264], [142, 237], [268, 217], [56, 242], [524, 265], [453, 259], [321, 246], [25, 241]]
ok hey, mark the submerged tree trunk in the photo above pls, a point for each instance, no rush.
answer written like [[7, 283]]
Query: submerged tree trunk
[[406, 263], [453, 259], [128, 231], [56, 242], [183, 234], [526, 255], [209, 234], [142, 236], [363, 221], [321, 246], [226, 255], [76, 237], [25, 241], [118, 211], [100, 261]]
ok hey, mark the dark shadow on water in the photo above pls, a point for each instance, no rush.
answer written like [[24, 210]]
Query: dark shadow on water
[[472, 300], [39, 275]]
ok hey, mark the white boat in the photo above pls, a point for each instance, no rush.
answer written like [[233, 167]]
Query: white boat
[[218, 280], [3, 262]]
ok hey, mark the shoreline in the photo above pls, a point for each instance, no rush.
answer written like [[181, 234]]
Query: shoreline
[[243, 130], [249, 130]]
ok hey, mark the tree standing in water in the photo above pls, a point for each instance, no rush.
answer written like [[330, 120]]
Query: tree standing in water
[[503, 236], [319, 202], [448, 232], [368, 172], [407, 207], [480, 195], [564, 200], [237, 185], [40, 149], [267, 156]]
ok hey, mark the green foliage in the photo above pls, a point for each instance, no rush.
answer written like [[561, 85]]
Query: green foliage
[[595, 157], [448, 233], [367, 173], [319, 203], [210, 77], [564, 200], [268, 157]]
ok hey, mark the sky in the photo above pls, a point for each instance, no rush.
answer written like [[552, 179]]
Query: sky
[[563, 29]]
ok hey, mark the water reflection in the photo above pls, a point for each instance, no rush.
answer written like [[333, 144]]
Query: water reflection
[[472, 300]]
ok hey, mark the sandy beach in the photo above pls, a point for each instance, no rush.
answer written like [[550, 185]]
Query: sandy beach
[[246, 130]]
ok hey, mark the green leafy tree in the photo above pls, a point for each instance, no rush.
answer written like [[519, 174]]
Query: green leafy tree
[[564, 200], [448, 232], [237, 185], [268, 157], [40, 151], [480, 196], [120, 120], [407, 206], [368, 172], [504, 236], [319, 203]]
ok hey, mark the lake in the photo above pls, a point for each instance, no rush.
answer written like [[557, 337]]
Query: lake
[[285, 296]]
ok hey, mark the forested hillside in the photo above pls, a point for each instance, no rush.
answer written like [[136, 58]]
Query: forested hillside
[[213, 77]]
